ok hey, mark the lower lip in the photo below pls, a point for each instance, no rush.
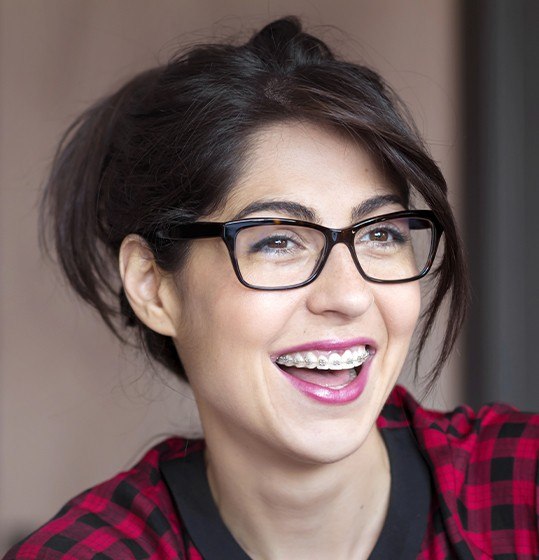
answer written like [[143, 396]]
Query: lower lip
[[329, 395]]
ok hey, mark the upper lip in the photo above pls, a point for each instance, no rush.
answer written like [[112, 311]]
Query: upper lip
[[325, 346]]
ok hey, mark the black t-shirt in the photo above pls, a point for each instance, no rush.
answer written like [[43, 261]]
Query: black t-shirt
[[402, 533]]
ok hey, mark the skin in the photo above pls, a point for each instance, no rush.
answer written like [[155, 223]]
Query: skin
[[292, 477]]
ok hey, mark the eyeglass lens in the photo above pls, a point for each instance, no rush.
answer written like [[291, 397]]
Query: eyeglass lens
[[272, 256]]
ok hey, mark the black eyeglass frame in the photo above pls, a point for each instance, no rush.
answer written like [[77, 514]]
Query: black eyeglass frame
[[228, 232]]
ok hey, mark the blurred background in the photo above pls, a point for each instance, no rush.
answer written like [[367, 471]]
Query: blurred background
[[76, 407]]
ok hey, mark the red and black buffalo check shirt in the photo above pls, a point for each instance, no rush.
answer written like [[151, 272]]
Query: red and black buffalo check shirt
[[464, 485]]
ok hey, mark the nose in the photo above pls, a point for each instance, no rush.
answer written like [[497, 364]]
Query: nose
[[340, 288]]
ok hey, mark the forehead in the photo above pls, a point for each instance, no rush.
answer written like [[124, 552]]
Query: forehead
[[308, 165]]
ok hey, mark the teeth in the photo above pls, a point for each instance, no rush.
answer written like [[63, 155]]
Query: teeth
[[299, 360], [350, 358], [311, 360], [334, 360], [347, 357], [323, 363]]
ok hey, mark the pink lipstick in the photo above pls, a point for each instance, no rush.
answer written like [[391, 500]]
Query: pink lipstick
[[330, 385]]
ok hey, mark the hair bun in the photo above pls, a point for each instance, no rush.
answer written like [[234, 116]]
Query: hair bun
[[284, 42]]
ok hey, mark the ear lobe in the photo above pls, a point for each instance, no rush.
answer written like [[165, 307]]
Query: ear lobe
[[145, 286]]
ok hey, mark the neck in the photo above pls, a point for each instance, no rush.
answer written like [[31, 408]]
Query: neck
[[279, 507]]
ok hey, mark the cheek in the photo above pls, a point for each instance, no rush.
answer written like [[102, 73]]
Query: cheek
[[226, 344], [222, 323], [400, 305], [233, 318]]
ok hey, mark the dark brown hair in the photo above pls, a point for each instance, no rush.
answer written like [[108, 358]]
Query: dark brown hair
[[169, 146]]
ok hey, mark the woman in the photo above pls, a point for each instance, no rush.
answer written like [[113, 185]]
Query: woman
[[258, 200]]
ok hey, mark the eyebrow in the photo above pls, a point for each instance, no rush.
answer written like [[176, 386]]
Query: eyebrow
[[376, 202], [308, 214], [282, 206]]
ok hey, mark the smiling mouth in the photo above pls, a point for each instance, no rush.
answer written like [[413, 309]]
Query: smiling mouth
[[331, 369]]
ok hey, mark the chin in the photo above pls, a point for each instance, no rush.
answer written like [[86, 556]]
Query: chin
[[328, 444]]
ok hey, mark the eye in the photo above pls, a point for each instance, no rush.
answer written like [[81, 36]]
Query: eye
[[279, 243], [276, 243], [382, 235], [379, 235]]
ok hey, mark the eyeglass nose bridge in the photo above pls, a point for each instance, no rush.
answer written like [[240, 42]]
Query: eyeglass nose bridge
[[347, 237]]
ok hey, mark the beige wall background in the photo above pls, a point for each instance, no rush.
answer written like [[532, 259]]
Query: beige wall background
[[74, 406]]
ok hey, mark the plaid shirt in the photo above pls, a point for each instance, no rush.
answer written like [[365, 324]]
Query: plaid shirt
[[484, 500]]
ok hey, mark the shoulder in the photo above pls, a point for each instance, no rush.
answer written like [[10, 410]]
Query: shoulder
[[494, 431], [131, 515], [484, 469]]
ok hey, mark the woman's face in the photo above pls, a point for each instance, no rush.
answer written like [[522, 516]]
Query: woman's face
[[229, 337]]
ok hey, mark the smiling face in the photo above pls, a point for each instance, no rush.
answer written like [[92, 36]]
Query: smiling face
[[234, 342]]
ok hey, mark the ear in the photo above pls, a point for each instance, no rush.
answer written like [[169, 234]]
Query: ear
[[148, 290]]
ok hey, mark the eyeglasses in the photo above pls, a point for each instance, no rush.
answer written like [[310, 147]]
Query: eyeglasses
[[281, 254]]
